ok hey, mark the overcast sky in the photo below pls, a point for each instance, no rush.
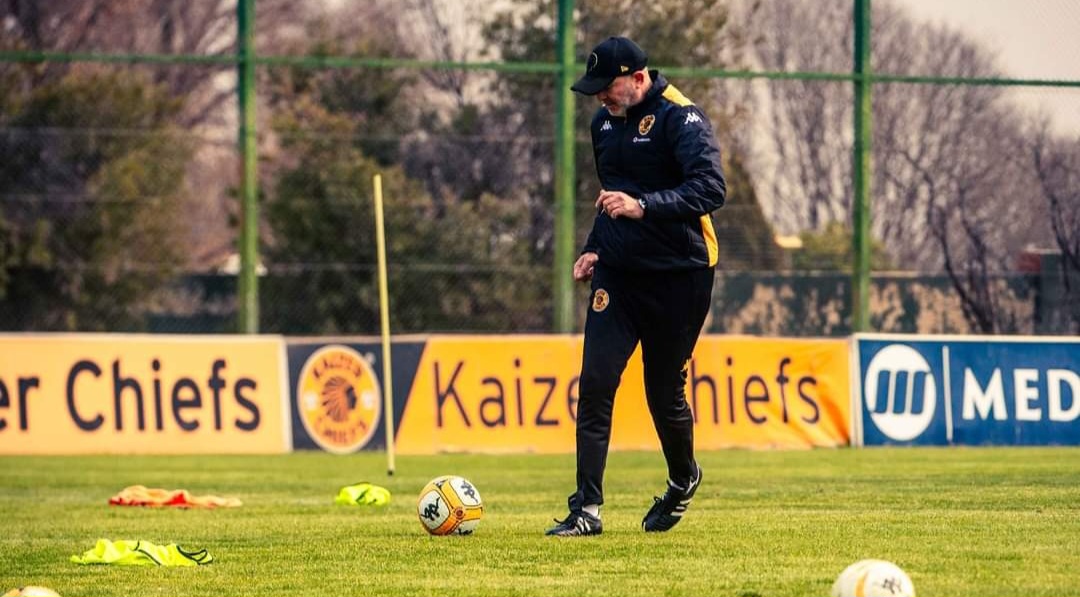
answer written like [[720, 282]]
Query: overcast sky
[[1033, 39]]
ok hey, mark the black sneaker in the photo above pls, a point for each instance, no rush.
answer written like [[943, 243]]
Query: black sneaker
[[576, 524], [667, 511]]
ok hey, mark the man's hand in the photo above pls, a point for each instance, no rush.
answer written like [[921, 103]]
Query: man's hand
[[583, 267], [617, 203]]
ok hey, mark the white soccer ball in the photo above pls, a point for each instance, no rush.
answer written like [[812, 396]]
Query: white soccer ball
[[450, 505], [31, 591], [873, 578]]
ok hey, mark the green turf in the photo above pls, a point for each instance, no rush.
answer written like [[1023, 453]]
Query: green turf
[[962, 522]]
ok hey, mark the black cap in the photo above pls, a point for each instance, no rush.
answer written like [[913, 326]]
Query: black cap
[[614, 57]]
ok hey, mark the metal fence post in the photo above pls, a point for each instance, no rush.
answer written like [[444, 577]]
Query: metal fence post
[[564, 172], [248, 293], [860, 275]]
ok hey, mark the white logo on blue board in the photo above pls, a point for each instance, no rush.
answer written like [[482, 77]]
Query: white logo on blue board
[[900, 392]]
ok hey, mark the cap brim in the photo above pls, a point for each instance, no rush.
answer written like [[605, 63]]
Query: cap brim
[[591, 85]]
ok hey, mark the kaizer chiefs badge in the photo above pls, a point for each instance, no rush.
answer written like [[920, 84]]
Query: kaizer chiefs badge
[[339, 399], [600, 300], [645, 125]]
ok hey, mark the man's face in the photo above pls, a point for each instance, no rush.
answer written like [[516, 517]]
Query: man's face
[[619, 96]]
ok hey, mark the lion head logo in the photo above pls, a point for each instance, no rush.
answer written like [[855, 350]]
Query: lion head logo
[[600, 300], [645, 125], [339, 399]]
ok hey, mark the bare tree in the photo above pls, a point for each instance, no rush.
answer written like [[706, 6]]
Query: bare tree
[[918, 129], [205, 93], [804, 123], [447, 31], [158, 27], [953, 182], [970, 232], [1057, 167], [925, 130]]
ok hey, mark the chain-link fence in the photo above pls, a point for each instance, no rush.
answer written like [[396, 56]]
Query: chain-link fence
[[120, 177]]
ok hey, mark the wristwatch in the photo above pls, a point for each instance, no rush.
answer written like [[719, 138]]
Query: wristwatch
[[641, 202]]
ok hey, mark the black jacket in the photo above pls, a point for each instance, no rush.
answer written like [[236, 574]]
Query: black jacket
[[663, 152]]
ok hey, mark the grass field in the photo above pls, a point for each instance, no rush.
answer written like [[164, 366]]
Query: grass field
[[961, 522]]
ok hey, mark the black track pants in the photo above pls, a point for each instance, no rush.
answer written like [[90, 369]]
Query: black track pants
[[665, 312]]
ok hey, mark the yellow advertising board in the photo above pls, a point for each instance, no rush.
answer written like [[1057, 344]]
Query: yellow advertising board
[[770, 392], [493, 394], [146, 394], [520, 393]]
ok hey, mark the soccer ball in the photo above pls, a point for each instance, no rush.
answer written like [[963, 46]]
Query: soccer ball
[[449, 505], [873, 578], [31, 592]]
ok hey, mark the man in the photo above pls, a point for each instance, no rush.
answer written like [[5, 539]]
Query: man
[[650, 256]]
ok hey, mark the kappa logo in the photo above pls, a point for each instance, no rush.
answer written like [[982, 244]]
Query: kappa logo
[[431, 511], [691, 118], [900, 392], [606, 126], [338, 399]]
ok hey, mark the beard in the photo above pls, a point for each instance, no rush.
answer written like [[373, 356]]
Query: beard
[[617, 104]]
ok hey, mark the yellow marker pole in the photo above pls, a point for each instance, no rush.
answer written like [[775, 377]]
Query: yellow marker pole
[[384, 316]]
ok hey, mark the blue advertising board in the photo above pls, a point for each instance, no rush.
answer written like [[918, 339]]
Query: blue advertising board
[[955, 390]]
